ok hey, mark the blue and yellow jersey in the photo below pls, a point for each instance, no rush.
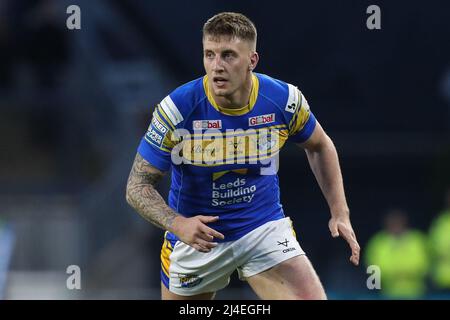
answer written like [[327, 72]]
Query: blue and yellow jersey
[[224, 161]]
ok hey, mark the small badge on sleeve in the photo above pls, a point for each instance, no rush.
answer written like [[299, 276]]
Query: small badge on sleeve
[[156, 132]]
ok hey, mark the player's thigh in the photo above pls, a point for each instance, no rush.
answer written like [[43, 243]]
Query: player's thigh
[[167, 295], [294, 278]]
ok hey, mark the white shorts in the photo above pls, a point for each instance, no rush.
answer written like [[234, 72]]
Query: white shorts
[[186, 271]]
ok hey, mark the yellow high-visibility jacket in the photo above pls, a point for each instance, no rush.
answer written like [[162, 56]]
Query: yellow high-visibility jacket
[[439, 238], [403, 261]]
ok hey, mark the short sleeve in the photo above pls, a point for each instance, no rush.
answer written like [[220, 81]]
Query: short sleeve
[[302, 121], [158, 142]]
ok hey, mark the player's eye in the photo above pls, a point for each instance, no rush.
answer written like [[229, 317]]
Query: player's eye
[[209, 54], [228, 55]]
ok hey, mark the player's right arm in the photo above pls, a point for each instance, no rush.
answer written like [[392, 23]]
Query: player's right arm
[[144, 198], [142, 195], [152, 160]]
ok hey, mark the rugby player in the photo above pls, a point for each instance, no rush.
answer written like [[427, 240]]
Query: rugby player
[[221, 136]]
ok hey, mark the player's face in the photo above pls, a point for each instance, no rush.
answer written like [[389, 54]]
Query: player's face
[[227, 63]]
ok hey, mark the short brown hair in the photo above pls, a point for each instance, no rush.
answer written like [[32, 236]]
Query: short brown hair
[[230, 24]]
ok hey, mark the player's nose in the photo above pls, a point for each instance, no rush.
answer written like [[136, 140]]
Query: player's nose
[[217, 64]]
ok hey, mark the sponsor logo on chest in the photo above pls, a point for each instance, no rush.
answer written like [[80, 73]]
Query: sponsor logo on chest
[[262, 119], [207, 124]]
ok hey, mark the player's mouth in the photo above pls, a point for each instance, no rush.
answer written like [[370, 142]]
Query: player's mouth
[[219, 81]]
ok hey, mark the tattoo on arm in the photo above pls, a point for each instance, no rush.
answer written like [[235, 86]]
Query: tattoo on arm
[[143, 197]]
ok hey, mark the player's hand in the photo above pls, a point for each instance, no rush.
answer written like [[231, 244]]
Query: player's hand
[[341, 226], [195, 233]]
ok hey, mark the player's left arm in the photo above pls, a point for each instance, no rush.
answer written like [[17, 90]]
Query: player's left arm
[[324, 162]]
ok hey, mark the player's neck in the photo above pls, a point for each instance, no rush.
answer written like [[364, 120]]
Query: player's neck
[[240, 98]]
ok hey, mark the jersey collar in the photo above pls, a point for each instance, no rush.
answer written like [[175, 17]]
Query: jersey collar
[[234, 111]]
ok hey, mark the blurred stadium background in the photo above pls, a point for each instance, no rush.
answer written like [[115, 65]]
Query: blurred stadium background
[[74, 104]]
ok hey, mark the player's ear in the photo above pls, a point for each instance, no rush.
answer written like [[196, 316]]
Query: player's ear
[[254, 58]]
